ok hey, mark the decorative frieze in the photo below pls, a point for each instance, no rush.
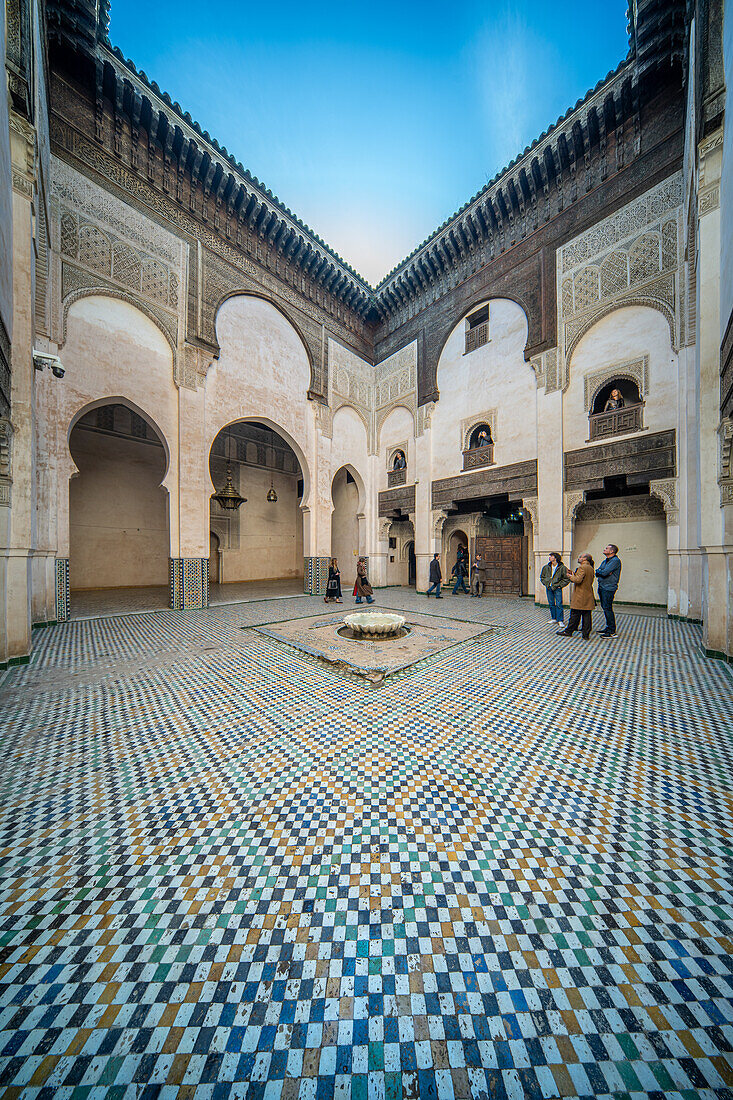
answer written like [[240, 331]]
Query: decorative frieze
[[640, 459], [516, 481], [397, 500], [633, 257], [665, 490]]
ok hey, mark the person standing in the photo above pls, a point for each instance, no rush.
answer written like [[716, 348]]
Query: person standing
[[362, 587], [477, 576], [555, 577], [609, 574], [582, 600], [459, 572], [436, 576], [333, 588]]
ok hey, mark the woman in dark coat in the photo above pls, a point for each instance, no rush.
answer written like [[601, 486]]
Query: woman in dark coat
[[333, 588], [362, 587]]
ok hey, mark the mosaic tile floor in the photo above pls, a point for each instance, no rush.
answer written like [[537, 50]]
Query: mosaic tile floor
[[94, 603], [229, 871]]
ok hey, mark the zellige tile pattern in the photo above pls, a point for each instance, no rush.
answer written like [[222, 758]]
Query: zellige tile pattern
[[229, 871]]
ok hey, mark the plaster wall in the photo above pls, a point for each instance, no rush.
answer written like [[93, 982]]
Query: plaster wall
[[263, 374], [494, 376], [642, 544], [270, 535], [113, 352], [398, 430], [349, 447], [626, 334], [726, 180], [6, 198], [118, 520], [345, 528], [398, 571]]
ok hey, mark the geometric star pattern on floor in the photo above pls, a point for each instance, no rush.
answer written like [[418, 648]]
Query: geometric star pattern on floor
[[229, 871]]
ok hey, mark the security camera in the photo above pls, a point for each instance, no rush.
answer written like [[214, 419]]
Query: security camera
[[43, 359]]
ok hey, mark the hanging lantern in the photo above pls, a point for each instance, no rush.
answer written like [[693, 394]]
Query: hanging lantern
[[228, 497], [271, 494]]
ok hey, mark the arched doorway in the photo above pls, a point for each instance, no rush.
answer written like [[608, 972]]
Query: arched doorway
[[345, 523], [214, 570], [401, 562], [411, 564], [262, 540], [118, 508]]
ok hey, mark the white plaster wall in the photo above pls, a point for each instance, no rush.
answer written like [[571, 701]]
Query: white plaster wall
[[118, 513], [642, 548], [345, 527], [398, 430], [726, 182], [270, 534], [263, 375], [623, 335], [494, 376], [6, 200], [349, 446], [113, 352]]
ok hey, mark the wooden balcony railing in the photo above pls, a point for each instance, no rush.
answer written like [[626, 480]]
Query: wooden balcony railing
[[475, 457], [477, 336], [616, 422], [396, 477]]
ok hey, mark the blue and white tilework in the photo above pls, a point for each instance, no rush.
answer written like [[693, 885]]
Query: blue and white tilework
[[230, 871]]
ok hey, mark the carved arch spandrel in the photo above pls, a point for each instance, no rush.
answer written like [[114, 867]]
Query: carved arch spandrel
[[581, 328]]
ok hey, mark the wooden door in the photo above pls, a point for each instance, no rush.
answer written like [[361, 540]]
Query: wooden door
[[505, 564]]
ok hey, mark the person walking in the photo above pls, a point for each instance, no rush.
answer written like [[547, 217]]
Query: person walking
[[459, 572], [609, 574], [582, 600], [436, 576], [362, 586], [333, 588], [477, 576], [555, 577]]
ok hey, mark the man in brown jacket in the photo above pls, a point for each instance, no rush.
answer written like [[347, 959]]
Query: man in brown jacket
[[582, 600]]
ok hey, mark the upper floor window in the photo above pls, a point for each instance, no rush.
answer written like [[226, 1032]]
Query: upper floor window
[[480, 447], [617, 409], [397, 468], [477, 329]]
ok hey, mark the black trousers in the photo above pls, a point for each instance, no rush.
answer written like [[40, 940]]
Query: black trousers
[[574, 621]]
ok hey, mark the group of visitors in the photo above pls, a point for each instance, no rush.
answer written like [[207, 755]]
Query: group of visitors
[[362, 587], [556, 575]]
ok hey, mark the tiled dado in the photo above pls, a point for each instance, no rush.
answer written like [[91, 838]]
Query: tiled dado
[[315, 576], [62, 590], [189, 583]]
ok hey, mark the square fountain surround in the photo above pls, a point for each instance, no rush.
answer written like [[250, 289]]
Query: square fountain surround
[[373, 658]]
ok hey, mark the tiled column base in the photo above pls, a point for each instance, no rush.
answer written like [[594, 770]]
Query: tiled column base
[[315, 576], [189, 583], [62, 590]]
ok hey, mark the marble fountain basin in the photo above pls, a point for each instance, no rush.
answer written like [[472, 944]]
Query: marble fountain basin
[[375, 623]]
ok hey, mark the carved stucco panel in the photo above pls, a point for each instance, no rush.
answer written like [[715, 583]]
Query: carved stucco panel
[[666, 491]]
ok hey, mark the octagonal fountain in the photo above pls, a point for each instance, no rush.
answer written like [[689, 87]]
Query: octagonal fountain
[[374, 626]]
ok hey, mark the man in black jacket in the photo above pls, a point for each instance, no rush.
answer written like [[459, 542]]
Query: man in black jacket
[[436, 576]]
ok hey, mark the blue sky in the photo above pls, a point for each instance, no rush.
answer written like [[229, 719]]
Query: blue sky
[[374, 123]]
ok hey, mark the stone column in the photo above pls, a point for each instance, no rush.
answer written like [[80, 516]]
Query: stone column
[[317, 522], [20, 479], [189, 491], [714, 560]]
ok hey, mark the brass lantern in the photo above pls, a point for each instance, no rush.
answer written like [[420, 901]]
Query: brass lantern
[[271, 494], [228, 497]]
